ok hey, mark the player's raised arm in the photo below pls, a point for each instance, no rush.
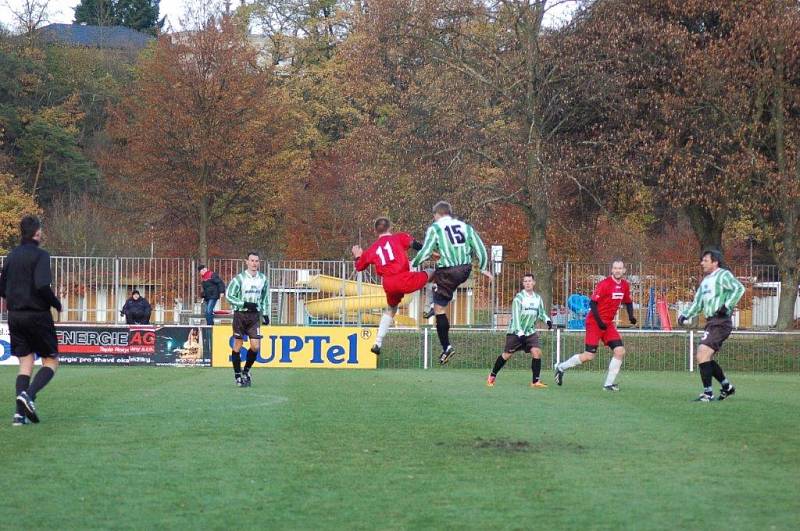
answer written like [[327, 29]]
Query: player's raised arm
[[362, 258], [430, 243]]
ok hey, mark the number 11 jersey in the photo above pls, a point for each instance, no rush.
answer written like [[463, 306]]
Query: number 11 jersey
[[387, 254]]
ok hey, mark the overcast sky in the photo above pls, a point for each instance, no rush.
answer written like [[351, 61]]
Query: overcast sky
[[62, 11]]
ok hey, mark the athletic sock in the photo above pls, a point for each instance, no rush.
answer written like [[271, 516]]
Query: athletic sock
[[613, 370], [498, 364], [251, 359], [41, 379], [236, 359], [706, 372], [536, 368], [428, 295], [23, 381], [719, 375], [574, 361], [383, 327], [443, 330]]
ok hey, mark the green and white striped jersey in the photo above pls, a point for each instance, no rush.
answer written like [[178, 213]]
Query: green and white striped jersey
[[249, 288], [455, 241], [718, 289], [525, 311]]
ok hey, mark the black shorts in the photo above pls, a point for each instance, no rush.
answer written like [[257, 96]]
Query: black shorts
[[525, 343], [33, 333], [447, 279], [716, 332], [246, 324]]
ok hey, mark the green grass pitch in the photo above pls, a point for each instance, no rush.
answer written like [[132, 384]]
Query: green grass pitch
[[400, 449]]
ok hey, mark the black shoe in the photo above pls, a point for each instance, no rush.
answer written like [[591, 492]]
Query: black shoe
[[704, 397], [612, 387], [19, 420], [558, 376], [427, 314], [446, 355], [239, 381], [246, 380], [726, 392], [375, 350], [29, 407]]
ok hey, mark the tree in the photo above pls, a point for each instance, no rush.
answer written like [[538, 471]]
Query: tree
[[30, 16], [203, 141], [141, 15], [14, 203]]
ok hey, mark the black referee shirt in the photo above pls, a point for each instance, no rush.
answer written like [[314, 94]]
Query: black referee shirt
[[26, 278]]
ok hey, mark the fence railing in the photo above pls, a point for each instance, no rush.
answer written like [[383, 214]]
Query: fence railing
[[646, 350], [93, 289]]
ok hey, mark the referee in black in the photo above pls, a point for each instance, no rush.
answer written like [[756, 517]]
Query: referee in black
[[25, 285]]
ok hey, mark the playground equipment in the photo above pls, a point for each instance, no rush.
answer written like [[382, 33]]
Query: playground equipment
[[578, 306], [351, 299]]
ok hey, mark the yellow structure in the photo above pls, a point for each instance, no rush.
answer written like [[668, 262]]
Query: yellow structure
[[349, 302]]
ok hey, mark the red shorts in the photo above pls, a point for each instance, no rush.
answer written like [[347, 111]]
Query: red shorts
[[594, 335], [398, 285]]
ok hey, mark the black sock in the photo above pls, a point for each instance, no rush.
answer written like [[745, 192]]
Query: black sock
[[443, 330], [41, 379], [23, 381], [498, 364], [706, 372], [236, 358], [536, 368], [718, 374], [251, 359]]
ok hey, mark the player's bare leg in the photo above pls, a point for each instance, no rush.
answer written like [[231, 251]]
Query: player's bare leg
[[26, 396], [709, 368], [536, 369], [383, 328], [574, 361], [613, 369]]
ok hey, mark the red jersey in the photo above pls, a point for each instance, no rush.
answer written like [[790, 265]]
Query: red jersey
[[609, 294], [387, 254]]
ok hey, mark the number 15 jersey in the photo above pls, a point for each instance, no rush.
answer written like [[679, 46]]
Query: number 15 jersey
[[387, 254], [456, 242]]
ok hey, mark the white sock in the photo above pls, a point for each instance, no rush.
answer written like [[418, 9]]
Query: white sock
[[572, 362], [386, 322], [613, 370], [428, 295]]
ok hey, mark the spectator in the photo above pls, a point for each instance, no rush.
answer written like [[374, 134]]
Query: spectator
[[136, 310], [213, 289]]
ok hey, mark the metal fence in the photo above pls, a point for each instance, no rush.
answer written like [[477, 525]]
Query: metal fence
[[646, 350], [93, 289]]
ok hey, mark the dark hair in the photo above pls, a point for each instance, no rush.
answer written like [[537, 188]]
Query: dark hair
[[253, 253], [443, 208], [714, 254], [28, 226], [201, 267], [617, 259], [382, 225], [526, 275], [135, 292]]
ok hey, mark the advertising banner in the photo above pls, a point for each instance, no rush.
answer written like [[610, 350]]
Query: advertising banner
[[309, 347], [134, 345]]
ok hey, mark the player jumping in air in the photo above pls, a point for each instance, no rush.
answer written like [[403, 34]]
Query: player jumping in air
[[718, 294], [526, 309], [608, 295], [248, 295], [455, 241], [388, 255]]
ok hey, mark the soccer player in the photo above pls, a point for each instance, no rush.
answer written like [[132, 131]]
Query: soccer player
[[25, 285], [248, 295], [388, 255], [526, 309], [718, 294], [605, 301], [456, 241]]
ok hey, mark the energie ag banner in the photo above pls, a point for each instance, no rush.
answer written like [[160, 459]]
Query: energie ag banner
[[323, 347]]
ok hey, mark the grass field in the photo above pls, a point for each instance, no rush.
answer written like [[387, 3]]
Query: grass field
[[184, 448]]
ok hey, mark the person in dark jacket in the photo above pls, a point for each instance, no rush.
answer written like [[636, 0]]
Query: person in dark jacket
[[213, 289], [25, 284], [136, 310]]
